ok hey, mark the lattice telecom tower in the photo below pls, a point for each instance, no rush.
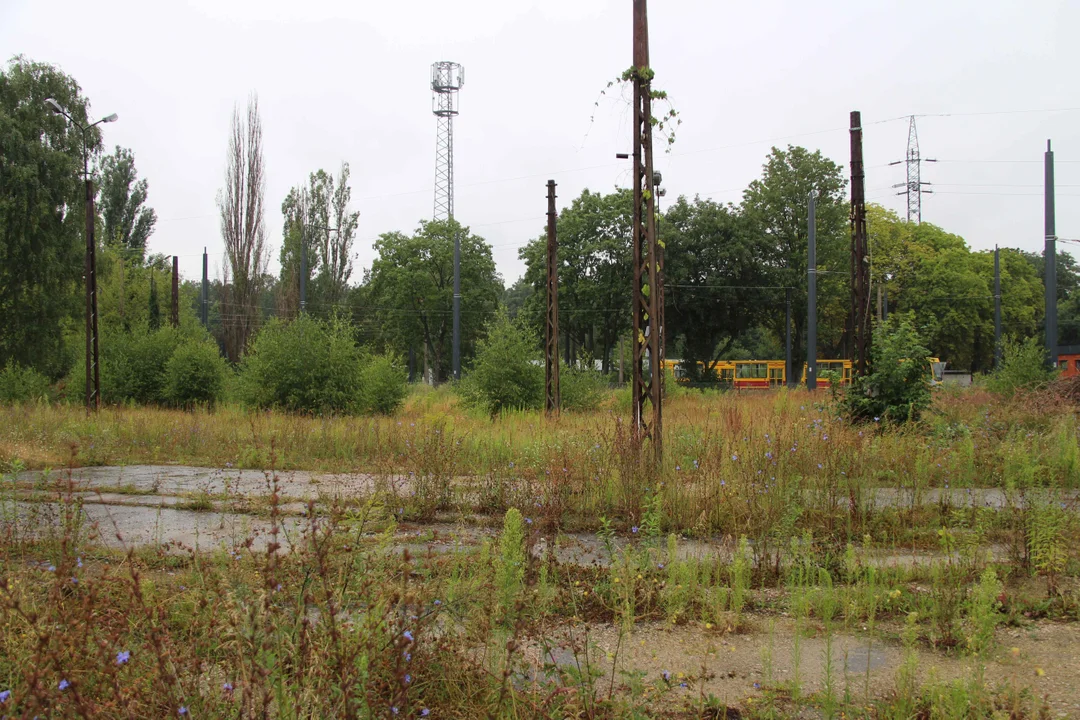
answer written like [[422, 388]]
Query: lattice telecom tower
[[446, 79], [914, 187]]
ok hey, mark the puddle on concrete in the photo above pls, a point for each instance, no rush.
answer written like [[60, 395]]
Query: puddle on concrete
[[181, 479], [164, 480]]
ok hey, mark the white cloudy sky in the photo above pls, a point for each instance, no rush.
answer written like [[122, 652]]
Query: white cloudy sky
[[348, 80]]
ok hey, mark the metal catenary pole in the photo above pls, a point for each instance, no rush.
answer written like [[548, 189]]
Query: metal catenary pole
[[204, 305], [551, 336], [811, 303], [174, 308], [860, 267], [1050, 257], [645, 296], [789, 371], [457, 300], [997, 308]]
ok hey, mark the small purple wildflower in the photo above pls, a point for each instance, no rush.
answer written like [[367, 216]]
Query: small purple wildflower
[[122, 657], [52, 568], [634, 529], [4, 696], [425, 712], [819, 466], [408, 635], [64, 685], [757, 686], [438, 602], [734, 458], [528, 521], [182, 710], [78, 562], [407, 655], [227, 687], [394, 710], [408, 679], [666, 675]]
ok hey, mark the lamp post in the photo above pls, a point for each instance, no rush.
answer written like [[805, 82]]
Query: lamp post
[[93, 370]]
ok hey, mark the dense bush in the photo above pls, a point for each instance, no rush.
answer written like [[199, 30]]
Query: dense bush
[[304, 365], [133, 365], [22, 384], [507, 372], [897, 388], [1023, 367], [195, 374], [581, 389], [383, 385]]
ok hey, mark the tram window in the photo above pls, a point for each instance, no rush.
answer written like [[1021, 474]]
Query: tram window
[[1076, 364], [752, 370]]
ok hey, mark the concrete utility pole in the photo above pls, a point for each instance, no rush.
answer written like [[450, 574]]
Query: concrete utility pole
[[811, 302], [1050, 258], [93, 368], [551, 334], [174, 308], [204, 304], [997, 308], [860, 266], [647, 300]]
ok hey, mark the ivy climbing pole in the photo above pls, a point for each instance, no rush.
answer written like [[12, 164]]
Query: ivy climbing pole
[[648, 301]]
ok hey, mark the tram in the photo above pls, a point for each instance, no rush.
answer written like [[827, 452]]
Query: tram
[[766, 374]]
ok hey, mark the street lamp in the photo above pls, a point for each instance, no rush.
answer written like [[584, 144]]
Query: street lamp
[[93, 371]]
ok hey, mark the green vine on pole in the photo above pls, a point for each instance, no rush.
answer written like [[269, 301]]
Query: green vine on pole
[[666, 123]]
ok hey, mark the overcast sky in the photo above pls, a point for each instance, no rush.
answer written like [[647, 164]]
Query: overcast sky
[[349, 80]]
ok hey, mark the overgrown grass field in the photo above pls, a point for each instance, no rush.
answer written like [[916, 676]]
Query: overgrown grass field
[[354, 621]]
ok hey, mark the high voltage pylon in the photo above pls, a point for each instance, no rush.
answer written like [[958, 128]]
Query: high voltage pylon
[[446, 79], [914, 187]]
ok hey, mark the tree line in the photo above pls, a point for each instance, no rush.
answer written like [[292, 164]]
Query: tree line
[[729, 268]]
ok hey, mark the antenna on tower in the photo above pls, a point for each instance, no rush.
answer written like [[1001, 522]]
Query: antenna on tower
[[914, 187], [446, 79]]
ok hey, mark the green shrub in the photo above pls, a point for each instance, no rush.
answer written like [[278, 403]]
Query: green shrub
[[195, 374], [581, 389], [1023, 367], [22, 384], [133, 365], [897, 388], [507, 372], [510, 571], [303, 365], [384, 385]]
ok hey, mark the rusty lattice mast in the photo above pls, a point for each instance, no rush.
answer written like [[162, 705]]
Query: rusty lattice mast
[[647, 300]]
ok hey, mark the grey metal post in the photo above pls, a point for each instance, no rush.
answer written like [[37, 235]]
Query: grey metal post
[[811, 304], [457, 304], [789, 371], [205, 298], [997, 308], [303, 270], [1050, 259]]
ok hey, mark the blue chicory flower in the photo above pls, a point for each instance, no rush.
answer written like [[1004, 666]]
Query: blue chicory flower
[[408, 635], [4, 696], [122, 657], [64, 685]]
